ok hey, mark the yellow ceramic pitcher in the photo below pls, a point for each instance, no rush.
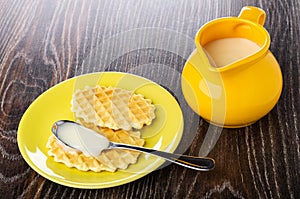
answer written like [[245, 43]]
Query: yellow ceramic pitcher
[[238, 93]]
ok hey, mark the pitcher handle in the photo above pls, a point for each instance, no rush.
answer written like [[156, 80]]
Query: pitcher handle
[[253, 14]]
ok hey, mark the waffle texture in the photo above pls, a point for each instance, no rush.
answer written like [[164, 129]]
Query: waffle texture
[[113, 113], [108, 160], [113, 108]]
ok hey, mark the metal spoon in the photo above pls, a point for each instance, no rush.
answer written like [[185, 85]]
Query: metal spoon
[[89, 142]]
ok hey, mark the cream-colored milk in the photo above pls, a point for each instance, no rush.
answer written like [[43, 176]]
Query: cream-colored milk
[[83, 139], [222, 52]]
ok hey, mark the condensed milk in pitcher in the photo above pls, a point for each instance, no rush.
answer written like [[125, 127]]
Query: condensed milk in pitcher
[[232, 79]]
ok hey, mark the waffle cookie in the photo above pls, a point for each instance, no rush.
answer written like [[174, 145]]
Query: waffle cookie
[[108, 160], [113, 108]]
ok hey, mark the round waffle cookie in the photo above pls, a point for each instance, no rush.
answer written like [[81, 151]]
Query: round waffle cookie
[[108, 160], [113, 108]]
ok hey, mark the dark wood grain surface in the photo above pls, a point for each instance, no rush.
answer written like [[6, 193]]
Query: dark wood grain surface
[[45, 42]]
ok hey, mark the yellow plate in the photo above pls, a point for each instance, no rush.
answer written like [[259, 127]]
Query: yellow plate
[[35, 128]]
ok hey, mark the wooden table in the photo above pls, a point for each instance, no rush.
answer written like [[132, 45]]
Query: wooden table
[[44, 42]]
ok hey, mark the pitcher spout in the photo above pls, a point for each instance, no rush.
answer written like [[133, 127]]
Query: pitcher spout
[[231, 42]]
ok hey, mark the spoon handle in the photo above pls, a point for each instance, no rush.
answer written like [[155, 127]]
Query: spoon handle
[[197, 163]]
